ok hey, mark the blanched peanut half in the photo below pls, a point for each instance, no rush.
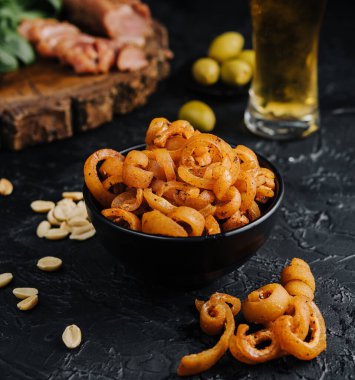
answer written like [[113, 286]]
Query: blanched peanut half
[[78, 211], [52, 220], [28, 303], [72, 336], [63, 210], [23, 293], [69, 203], [82, 229], [65, 226], [43, 228], [5, 278], [78, 221], [6, 187], [83, 236], [42, 206], [74, 195], [81, 206], [49, 263], [56, 234]]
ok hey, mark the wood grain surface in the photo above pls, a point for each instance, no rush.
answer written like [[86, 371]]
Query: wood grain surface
[[48, 101]]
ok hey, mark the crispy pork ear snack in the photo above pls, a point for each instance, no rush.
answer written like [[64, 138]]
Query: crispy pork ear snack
[[123, 217], [300, 312], [92, 179], [298, 279], [292, 325], [266, 304], [156, 223], [244, 347], [293, 344], [215, 314], [197, 180]]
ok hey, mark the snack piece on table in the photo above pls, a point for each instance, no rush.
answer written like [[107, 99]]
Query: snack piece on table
[[298, 279], [266, 304], [292, 325], [215, 314]]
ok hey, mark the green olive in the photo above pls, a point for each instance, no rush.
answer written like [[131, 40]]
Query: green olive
[[199, 114], [236, 72], [226, 46], [249, 57], [206, 71]]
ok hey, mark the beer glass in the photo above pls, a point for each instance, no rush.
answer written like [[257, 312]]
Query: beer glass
[[283, 98]]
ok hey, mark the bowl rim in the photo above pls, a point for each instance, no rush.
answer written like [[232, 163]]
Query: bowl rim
[[89, 200]]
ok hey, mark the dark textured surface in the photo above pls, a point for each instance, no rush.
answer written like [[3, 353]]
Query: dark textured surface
[[133, 331]]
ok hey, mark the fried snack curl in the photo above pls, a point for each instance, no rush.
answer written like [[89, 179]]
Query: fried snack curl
[[291, 325], [293, 344], [196, 180], [266, 304], [214, 315], [298, 279], [244, 347]]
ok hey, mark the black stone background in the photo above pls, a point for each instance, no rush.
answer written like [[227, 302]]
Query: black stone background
[[133, 331]]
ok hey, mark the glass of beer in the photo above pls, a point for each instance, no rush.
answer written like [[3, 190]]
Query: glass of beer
[[283, 98]]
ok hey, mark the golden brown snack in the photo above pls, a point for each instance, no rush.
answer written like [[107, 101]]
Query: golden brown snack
[[165, 161], [189, 217], [293, 344], [235, 221], [120, 216], [292, 325], [299, 288], [92, 180], [195, 178], [298, 279], [212, 314], [299, 310], [211, 225], [158, 203], [245, 346], [196, 363], [112, 166], [230, 206], [129, 200], [156, 223], [266, 304], [133, 171]]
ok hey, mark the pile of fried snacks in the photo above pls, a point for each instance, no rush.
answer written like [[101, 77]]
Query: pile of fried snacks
[[291, 323], [185, 183]]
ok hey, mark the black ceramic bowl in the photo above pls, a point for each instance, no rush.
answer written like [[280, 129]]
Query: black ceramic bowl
[[191, 261]]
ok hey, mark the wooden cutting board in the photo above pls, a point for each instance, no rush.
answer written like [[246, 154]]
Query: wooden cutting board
[[48, 101]]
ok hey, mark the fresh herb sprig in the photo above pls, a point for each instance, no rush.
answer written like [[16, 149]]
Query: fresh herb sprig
[[14, 49]]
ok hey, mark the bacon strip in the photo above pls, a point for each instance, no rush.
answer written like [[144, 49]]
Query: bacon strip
[[124, 20], [85, 53]]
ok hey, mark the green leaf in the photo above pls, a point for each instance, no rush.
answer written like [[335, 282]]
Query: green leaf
[[56, 4], [7, 61], [32, 14], [17, 46], [12, 45], [8, 18]]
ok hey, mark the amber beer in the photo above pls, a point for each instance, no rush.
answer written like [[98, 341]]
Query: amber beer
[[284, 94]]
